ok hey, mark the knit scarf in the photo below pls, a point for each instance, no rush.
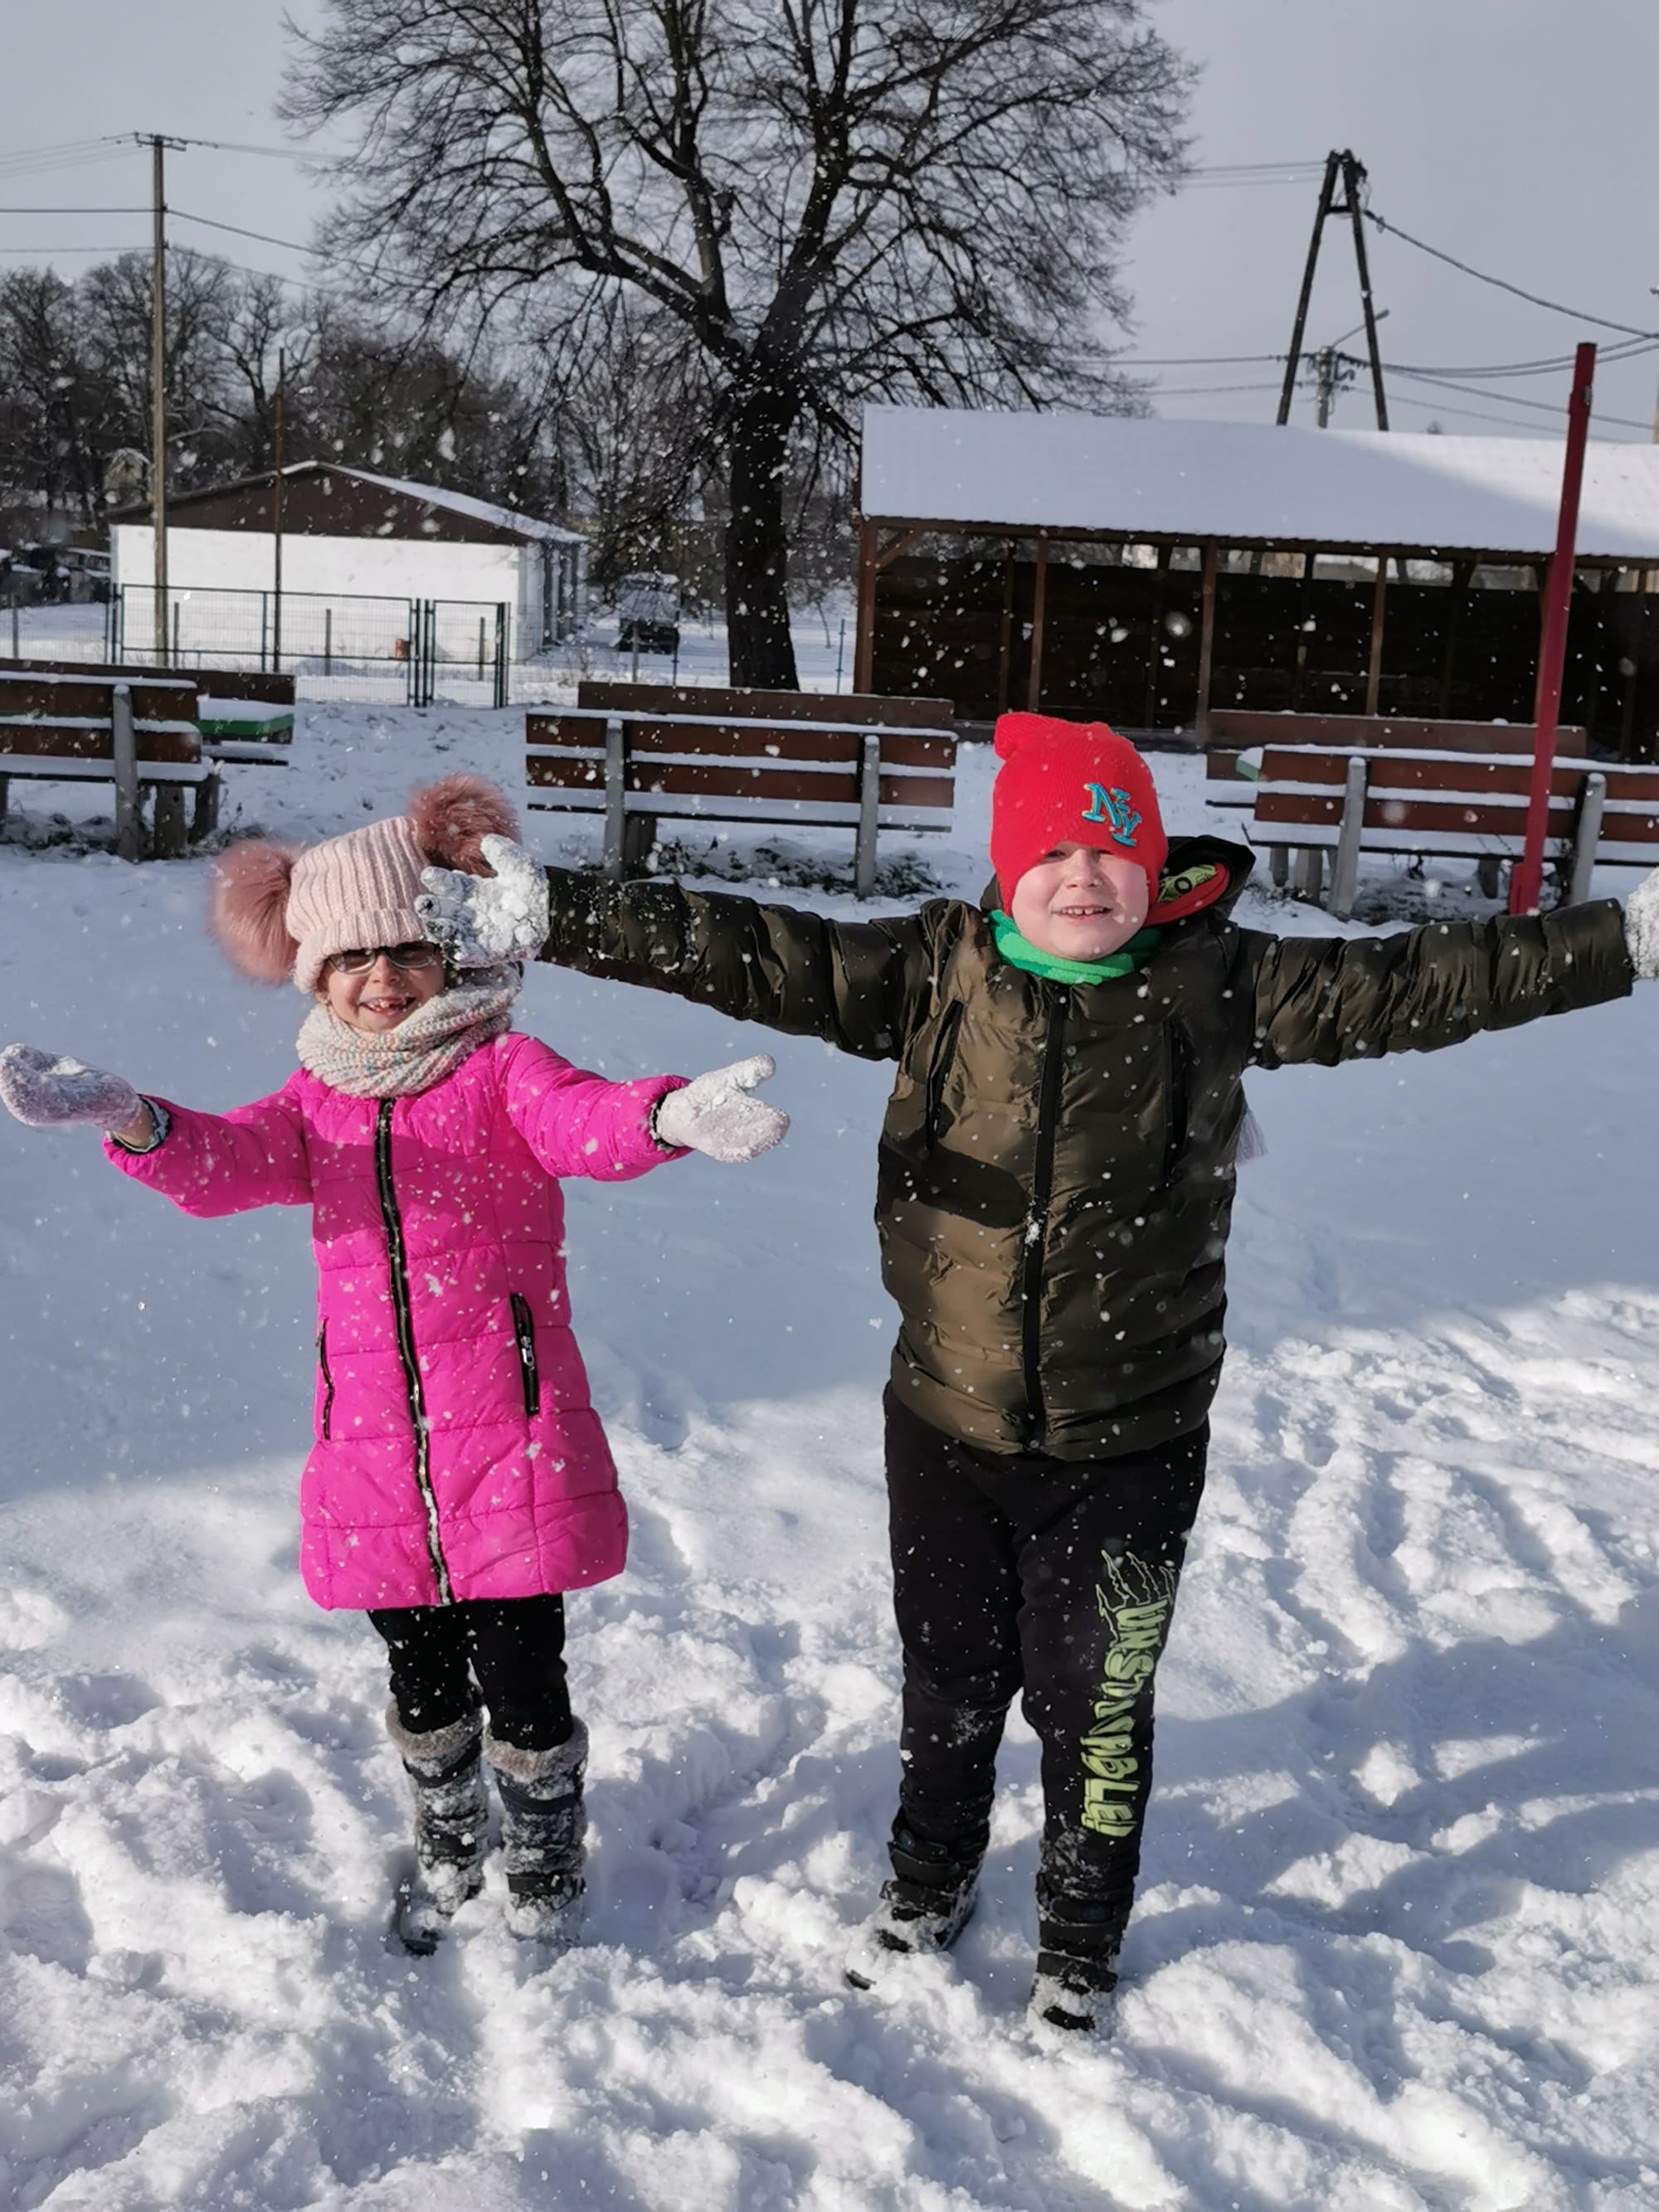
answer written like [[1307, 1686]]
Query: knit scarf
[[421, 1051], [1018, 950]]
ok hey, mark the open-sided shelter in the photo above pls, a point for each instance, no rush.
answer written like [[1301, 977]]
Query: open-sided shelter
[[1143, 571]]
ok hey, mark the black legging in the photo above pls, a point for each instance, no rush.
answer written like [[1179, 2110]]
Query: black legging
[[1023, 1573], [513, 1647]]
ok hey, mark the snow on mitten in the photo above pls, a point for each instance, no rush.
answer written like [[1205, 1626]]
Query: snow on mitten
[[1642, 927], [715, 1112], [47, 1092], [482, 921]]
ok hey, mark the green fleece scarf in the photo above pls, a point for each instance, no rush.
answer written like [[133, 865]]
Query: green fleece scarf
[[1019, 952]]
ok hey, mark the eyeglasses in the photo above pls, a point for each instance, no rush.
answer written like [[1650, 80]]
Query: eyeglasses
[[406, 956]]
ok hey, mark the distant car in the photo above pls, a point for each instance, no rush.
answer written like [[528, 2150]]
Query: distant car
[[649, 613]]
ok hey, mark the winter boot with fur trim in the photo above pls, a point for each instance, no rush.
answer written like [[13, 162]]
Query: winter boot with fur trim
[[1078, 1942], [451, 1815], [925, 1906], [543, 1826]]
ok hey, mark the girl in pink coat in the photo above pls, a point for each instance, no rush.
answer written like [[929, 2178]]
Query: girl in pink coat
[[460, 1481]]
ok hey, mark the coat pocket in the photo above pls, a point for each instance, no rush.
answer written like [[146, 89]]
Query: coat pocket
[[328, 1380], [938, 1067], [524, 1331]]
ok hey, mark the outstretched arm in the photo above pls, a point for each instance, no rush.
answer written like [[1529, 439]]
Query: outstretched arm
[[1331, 999], [855, 984]]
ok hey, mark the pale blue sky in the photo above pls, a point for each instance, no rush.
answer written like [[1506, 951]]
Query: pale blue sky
[[1518, 134]]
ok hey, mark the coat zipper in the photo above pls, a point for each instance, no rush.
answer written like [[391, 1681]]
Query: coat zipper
[[1178, 1093], [328, 1380], [1036, 1225], [524, 1328], [399, 1268]]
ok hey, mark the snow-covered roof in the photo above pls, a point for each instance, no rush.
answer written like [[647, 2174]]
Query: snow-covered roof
[[461, 503], [1249, 482]]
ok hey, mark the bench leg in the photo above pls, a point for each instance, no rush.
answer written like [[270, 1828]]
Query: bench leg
[[204, 814], [169, 804], [639, 841], [1489, 874], [1279, 864], [1309, 873], [5, 791]]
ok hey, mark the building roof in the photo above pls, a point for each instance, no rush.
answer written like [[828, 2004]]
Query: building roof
[[326, 498], [1246, 483]]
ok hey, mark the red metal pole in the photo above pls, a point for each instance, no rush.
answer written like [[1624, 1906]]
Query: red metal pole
[[1527, 878]]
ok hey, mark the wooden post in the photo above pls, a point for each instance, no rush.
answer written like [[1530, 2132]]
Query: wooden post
[[613, 859], [123, 752], [1155, 637], [1207, 641], [1374, 670], [1039, 608], [1005, 640], [1463, 580], [864, 859], [863, 650]]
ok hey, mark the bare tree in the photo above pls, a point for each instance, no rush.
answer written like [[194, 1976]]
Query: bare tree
[[828, 199]]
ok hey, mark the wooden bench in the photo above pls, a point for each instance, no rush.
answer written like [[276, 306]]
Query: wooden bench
[[142, 737], [245, 718], [1314, 800], [640, 753]]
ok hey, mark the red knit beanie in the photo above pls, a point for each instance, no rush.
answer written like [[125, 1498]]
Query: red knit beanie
[[1071, 783]]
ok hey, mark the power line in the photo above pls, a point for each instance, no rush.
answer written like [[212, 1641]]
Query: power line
[[1480, 415], [1540, 406], [1535, 299]]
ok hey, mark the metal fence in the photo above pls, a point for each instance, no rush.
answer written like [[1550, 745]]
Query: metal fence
[[406, 652]]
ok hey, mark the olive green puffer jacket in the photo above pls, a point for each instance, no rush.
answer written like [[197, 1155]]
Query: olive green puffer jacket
[[1057, 1163]]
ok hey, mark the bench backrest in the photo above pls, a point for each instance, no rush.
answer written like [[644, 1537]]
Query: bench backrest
[[1427, 795], [1232, 729], [866, 708], [781, 762], [70, 716], [262, 686]]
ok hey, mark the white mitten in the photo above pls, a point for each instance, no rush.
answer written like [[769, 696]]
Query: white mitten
[[482, 921], [715, 1115], [47, 1092], [1641, 926]]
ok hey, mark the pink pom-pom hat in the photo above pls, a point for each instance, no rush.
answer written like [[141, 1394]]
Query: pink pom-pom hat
[[280, 910]]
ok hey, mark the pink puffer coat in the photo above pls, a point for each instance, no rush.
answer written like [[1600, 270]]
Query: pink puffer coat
[[456, 1454]]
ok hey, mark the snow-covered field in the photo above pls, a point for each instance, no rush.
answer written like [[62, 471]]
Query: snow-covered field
[[1399, 1939]]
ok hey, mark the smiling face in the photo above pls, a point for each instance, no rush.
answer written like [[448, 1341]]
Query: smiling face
[[378, 998], [1080, 903]]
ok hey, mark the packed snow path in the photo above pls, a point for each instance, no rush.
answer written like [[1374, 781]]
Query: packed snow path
[[1398, 1938]]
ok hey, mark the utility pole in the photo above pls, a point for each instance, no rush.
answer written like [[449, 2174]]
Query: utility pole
[[276, 488], [158, 377], [1345, 170], [1325, 380]]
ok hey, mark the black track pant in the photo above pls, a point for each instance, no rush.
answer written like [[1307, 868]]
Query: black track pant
[[1049, 1576], [512, 1648]]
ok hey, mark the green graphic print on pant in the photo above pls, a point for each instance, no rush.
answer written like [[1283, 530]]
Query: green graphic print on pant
[[1136, 1608]]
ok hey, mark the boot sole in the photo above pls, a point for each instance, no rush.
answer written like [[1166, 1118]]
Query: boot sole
[[878, 1949]]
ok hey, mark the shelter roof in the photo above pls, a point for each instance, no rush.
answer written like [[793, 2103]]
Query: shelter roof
[[1251, 483]]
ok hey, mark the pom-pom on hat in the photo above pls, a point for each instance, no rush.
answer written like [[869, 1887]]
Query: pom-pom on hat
[[1071, 783], [280, 910]]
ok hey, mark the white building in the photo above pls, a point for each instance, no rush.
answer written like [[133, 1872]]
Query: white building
[[350, 538]]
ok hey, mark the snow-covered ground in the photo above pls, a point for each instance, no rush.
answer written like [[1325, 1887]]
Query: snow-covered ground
[[1399, 1939]]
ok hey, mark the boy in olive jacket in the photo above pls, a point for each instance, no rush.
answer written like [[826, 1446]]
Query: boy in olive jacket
[[1055, 1182]]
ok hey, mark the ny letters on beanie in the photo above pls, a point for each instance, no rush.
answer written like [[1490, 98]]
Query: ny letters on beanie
[[1071, 783]]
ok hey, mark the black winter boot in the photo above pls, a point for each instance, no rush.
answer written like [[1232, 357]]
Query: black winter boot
[[925, 1904], [450, 1821], [543, 1826], [1078, 1942]]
